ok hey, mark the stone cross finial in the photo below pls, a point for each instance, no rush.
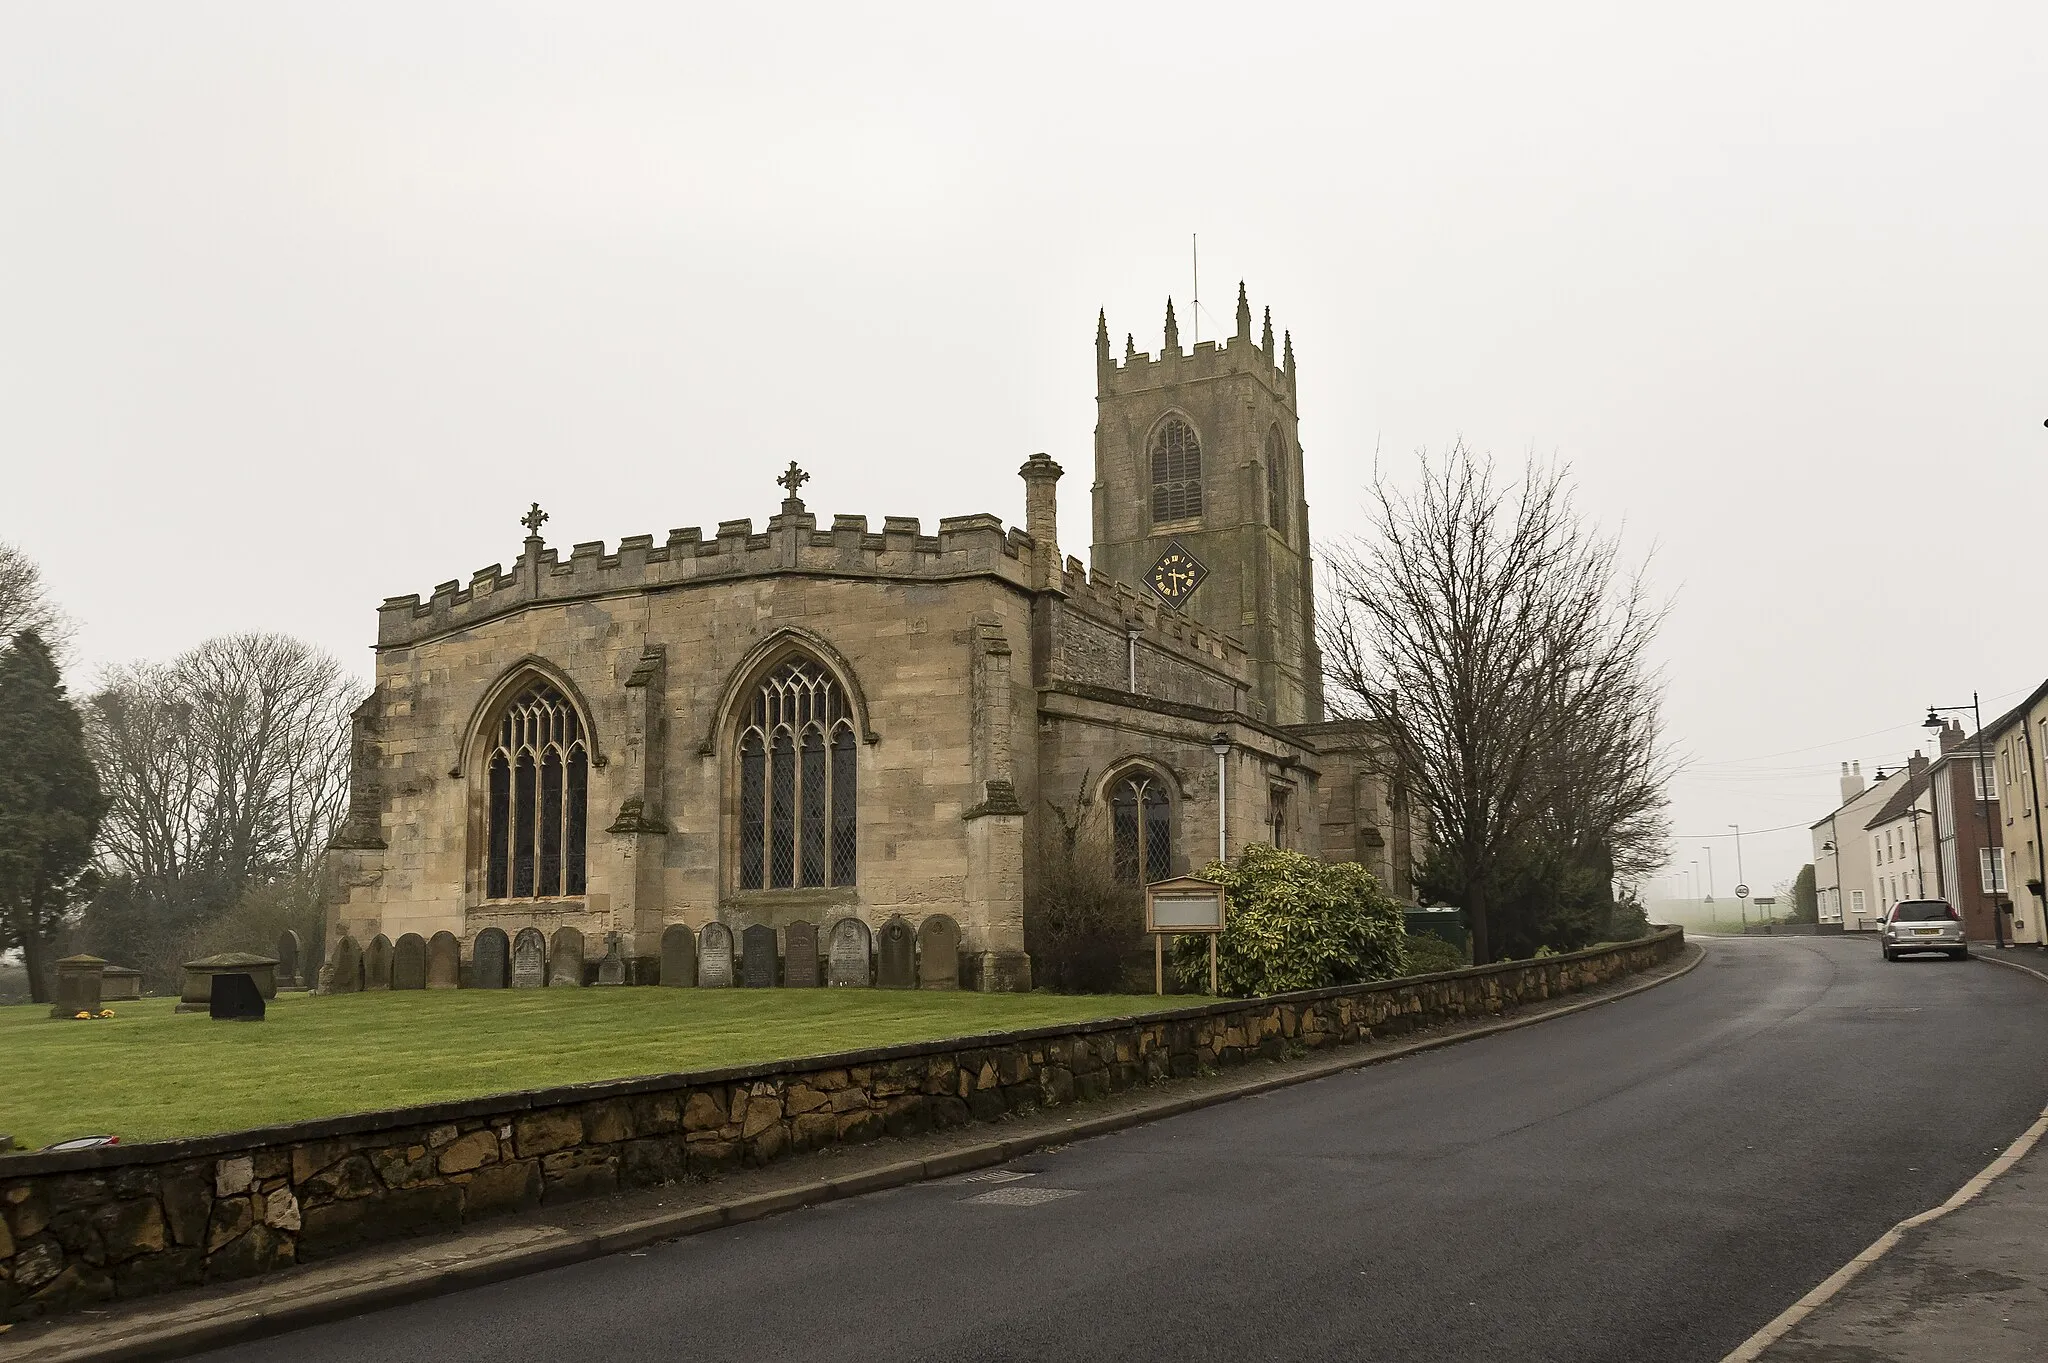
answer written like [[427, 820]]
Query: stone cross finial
[[533, 520], [793, 479]]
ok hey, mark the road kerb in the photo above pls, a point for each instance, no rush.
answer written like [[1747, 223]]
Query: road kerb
[[147, 1344], [2010, 965], [1753, 1348]]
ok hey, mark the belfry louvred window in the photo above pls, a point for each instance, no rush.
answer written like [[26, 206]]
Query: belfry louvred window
[[539, 773], [1141, 819], [796, 770], [1176, 472]]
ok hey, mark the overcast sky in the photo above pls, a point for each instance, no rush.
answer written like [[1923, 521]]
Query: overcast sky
[[300, 305]]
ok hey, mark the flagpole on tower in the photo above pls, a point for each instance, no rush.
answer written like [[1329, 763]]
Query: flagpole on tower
[[1195, 242]]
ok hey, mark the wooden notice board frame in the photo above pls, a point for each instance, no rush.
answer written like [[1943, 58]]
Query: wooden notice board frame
[[1184, 904]]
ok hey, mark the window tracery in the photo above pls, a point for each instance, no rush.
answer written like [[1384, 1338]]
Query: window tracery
[[1176, 472], [1141, 817], [539, 784], [797, 782]]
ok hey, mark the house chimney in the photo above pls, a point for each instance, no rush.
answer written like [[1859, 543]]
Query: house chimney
[[1852, 783], [1916, 764]]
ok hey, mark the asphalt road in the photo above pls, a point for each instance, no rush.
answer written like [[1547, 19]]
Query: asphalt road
[[1651, 1180]]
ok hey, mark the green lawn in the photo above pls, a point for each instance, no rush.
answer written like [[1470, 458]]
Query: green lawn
[[148, 1073]]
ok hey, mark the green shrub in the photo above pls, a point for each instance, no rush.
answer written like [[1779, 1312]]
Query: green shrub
[[1427, 954], [1295, 923]]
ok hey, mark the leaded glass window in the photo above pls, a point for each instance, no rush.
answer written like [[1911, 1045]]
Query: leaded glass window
[[1176, 472], [797, 783], [538, 774], [1142, 825]]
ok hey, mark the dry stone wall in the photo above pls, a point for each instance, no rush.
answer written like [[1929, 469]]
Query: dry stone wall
[[88, 1226]]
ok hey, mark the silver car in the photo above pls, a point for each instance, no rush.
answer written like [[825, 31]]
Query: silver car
[[1923, 925]]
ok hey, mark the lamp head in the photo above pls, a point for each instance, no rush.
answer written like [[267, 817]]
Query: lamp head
[[1933, 721]]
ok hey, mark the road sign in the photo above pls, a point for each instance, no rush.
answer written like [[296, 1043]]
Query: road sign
[[1742, 891]]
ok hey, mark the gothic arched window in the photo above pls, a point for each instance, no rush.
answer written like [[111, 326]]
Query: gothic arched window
[[539, 776], [1276, 481], [1176, 472], [1141, 818], [796, 756]]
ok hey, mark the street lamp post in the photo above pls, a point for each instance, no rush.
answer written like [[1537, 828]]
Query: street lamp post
[[1740, 881], [1981, 782], [1710, 882]]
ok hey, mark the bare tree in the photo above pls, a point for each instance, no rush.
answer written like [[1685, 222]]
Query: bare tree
[[25, 602], [225, 768], [1493, 637]]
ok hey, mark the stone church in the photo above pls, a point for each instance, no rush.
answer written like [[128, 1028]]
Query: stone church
[[788, 726]]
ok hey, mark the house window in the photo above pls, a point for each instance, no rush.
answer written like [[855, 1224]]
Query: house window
[[1276, 483], [1176, 472], [1991, 870], [1141, 817], [1856, 902], [797, 784], [539, 780], [1982, 771]]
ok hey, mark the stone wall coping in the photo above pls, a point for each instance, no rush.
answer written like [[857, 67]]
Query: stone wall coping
[[517, 1101]]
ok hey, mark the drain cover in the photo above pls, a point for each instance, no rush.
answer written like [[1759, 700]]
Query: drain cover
[[1019, 1197]]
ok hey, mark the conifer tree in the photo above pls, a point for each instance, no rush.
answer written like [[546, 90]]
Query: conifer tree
[[50, 803]]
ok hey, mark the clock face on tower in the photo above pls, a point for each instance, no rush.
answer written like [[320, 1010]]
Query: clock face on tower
[[1176, 575]]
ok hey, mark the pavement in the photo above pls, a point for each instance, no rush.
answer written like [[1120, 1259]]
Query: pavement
[[1654, 1179]]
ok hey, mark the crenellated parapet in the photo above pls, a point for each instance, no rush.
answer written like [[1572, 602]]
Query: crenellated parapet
[[1138, 370], [1126, 607], [791, 543]]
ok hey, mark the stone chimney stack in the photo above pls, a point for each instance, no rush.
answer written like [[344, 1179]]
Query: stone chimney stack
[[1852, 781], [1041, 518]]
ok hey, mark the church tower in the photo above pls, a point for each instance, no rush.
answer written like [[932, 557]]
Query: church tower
[[1198, 497]]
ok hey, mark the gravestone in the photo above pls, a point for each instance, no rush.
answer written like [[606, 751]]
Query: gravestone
[[678, 956], [346, 976], [757, 957], [78, 986], [197, 994], [852, 963], [529, 959], [800, 955], [444, 961], [409, 962], [288, 957], [235, 998], [119, 982], [938, 953], [612, 969], [896, 956], [565, 959], [714, 957], [490, 960], [377, 963]]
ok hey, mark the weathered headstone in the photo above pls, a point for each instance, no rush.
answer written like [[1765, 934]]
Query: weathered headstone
[[197, 995], [800, 955], [289, 956], [490, 960], [896, 956], [678, 956], [346, 973], [852, 960], [377, 963], [235, 998], [612, 968], [565, 959], [409, 962], [78, 986], [444, 961], [714, 957], [757, 957], [119, 982], [529, 959], [938, 953]]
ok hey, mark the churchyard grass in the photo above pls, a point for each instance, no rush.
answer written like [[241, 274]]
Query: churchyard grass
[[148, 1073]]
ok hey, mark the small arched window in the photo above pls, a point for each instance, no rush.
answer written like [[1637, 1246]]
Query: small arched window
[[1276, 481], [1141, 817], [1176, 472], [796, 758], [539, 776]]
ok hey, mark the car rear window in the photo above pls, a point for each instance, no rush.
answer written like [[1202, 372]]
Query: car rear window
[[1922, 911]]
